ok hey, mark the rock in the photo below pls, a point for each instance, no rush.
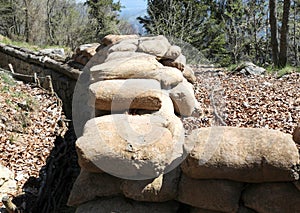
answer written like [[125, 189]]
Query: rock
[[160, 189], [296, 134], [188, 73], [183, 98], [122, 205], [248, 68], [113, 39], [53, 51], [172, 63], [173, 52], [125, 46], [7, 183], [272, 197], [216, 195], [88, 186], [157, 45], [241, 154], [134, 147], [119, 95]]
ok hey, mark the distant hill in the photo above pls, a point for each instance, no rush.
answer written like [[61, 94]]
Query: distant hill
[[131, 15]]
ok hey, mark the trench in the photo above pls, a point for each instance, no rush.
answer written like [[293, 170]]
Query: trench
[[55, 179]]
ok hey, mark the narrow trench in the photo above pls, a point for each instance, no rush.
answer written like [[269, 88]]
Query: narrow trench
[[55, 179]]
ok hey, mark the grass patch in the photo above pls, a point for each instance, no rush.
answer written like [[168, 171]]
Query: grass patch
[[7, 83], [287, 70], [7, 79], [232, 67], [32, 47]]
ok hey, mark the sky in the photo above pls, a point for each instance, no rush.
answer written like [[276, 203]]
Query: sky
[[134, 4], [132, 9], [130, 5]]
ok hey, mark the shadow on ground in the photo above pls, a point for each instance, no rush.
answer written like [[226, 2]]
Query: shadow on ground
[[50, 191]]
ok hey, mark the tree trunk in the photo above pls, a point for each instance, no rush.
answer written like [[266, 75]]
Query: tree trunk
[[27, 27], [295, 45], [284, 34], [274, 35]]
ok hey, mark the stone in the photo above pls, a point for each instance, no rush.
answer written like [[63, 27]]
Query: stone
[[189, 74], [7, 183], [119, 204], [173, 52], [88, 186], [296, 134], [53, 51], [119, 95], [272, 197], [248, 68], [160, 189], [184, 99], [133, 147], [125, 46], [243, 154], [216, 195], [156, 45], [113, 39]]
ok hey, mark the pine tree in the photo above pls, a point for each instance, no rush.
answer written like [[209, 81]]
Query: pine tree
[[103, 17], [182, 20]]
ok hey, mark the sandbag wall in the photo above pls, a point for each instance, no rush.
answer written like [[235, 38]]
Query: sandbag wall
[[27, 62], [134, 155]]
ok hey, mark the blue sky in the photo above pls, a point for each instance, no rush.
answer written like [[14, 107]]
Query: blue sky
[[136, 5]]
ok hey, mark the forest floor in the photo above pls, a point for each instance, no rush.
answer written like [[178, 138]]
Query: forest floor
[[30, 116]]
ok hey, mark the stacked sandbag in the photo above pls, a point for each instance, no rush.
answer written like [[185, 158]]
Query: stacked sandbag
[[134, 156], [229, 165], [134, 148], [84, 53]]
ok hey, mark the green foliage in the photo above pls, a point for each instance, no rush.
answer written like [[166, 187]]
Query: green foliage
[[182, 20], [225, 32], [7, 79], [286, 70], [102, 17]]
